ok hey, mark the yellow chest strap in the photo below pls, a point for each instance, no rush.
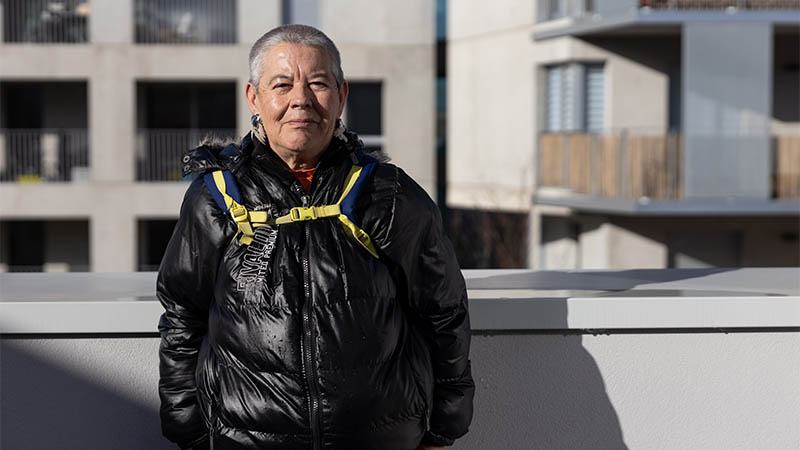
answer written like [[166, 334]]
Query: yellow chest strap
[[247, 221]]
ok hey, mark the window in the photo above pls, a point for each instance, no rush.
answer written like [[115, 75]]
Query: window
[[363, 112], [574, 97], [44, 21], [185, 22]]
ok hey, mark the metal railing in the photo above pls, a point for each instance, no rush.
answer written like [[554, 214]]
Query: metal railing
[[185, 21], [630, 165], [45, 21], [159, 152], [721, 4], [43, 155]]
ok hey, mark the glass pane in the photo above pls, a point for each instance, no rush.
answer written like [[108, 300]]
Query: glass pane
[[364, 104]]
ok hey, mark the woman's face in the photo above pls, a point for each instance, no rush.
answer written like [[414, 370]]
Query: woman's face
[[298, 100]]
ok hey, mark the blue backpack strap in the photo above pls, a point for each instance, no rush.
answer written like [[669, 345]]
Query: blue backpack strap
[[223, 188], [348, 203], [231, 188]]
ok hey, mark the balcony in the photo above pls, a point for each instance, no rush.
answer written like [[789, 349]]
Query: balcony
[[44, 155], [185, 22], [561, 360], [601, 18], [45, 21], [634, 166], [721, 4], [159, 152]]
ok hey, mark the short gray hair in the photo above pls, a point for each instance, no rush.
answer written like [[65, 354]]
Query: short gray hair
[[293, 34]]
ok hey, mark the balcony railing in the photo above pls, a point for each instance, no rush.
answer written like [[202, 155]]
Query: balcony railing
[[632, 166], [185, 21], [159, 152], [721, 4], [40, 155], [45, 21]]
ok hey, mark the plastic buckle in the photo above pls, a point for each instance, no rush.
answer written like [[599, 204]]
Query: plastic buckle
[[299, 213], [239, 213]]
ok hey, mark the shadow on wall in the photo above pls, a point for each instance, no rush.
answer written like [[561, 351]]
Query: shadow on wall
[[44, 407], [539, 391], [545, 391]]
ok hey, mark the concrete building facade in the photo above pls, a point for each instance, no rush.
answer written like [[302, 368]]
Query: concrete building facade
[[135, 82], [628, 133]]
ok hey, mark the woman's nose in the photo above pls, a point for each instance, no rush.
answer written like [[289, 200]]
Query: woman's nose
[[301, 96]]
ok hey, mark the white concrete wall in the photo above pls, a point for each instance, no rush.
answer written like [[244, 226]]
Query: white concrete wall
[[638, 391], [490, 105], [734, 391]]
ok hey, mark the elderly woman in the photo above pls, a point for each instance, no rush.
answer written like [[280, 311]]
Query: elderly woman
[[312, 299]]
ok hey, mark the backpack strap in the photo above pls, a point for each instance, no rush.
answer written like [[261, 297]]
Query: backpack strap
[[222, 186]]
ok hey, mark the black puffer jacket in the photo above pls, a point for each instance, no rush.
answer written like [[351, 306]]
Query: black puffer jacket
[[303, 340]]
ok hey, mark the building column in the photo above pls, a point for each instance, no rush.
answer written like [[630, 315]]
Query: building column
[[112, 237], [111, 22], [412, 147], [112, 105], [256, 17]]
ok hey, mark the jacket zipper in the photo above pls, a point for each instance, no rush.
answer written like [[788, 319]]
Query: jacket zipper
[[308, 343]]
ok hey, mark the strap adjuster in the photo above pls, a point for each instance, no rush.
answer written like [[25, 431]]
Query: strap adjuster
[[239, 213]]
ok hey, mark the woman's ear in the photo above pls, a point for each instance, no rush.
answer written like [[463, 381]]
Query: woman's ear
[[250, 93], [344, 89]]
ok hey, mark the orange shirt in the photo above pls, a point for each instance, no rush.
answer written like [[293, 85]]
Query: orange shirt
[[304, 177]]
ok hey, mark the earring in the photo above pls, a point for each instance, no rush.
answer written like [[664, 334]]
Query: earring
[[258, 128], [338, 132]]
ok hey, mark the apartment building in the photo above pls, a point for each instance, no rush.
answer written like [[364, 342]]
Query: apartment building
[[98, 98], [628, 133]]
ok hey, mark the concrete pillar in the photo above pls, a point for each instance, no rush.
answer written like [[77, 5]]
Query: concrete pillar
[[594, 244], [607, 245], [256, 17], [111, 22], [629, 249], [112, 104], [412, 147], [112, 238], [727, 92]]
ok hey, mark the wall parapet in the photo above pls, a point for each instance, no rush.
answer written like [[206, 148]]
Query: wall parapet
[[584, 301]]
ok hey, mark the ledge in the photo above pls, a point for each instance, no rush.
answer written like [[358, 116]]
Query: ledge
[[651, 207], [643, 19], [582, 301]]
